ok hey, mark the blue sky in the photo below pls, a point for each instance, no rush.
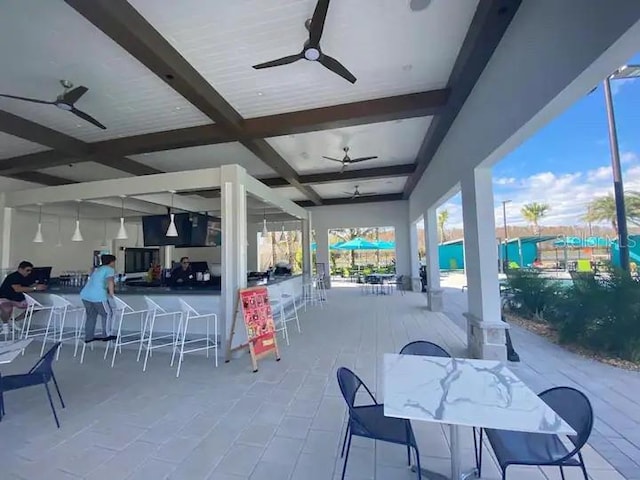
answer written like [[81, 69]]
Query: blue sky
[[567, 163]]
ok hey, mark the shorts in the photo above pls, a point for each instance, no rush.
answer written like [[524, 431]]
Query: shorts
[[7, 306]]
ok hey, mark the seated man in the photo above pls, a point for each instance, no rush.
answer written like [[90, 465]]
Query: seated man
[[182, 275], [12, 292]]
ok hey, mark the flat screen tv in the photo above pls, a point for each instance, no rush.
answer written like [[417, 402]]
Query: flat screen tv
[[205, 231], [154, 230]]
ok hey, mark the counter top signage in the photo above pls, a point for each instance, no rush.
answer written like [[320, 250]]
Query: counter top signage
[[254, 305]]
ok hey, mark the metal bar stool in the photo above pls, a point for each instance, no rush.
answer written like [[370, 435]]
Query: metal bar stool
[[189, 314], [155, 311]]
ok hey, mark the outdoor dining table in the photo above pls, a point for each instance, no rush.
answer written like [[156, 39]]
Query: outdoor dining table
[[464, 392], [10, 350]]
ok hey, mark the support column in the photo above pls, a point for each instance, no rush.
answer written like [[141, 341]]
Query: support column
[[254, 239], [307, 253], [486, 332], [434, 292], [322, 253], [6, 214], [414, 255], [234, 250], [167, 253]]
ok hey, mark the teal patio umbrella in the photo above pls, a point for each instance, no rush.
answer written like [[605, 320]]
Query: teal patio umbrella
[[357, 243], [382, 245]]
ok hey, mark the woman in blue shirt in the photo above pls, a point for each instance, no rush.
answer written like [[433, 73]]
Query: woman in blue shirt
[[95, 296]]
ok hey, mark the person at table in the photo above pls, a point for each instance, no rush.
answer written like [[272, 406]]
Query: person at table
[[183, 274], [95, 297], [12, 293]]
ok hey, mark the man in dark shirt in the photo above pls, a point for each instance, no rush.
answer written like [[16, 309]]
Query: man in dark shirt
[[12, 292], [182, 274]]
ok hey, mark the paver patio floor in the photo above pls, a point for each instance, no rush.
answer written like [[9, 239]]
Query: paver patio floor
[[283, 422]]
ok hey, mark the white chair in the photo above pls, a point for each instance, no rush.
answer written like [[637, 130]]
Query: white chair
[[32, 306], [59, 309], [320, 287], [188, 315], [311, 294], [286, 300], [155, 311]]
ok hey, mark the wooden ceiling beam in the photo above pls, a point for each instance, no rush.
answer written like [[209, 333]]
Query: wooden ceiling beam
[[121, 22], [490, 22], [64, 148]]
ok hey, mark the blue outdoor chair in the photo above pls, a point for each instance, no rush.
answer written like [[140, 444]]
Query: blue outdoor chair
[[427, 349], [40, 374], [522, 448], [368, 421]]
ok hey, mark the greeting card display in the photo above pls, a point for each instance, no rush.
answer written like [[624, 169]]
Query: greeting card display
[[253, 305]]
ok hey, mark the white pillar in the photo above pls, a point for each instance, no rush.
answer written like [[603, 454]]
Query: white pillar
[[5, 236], [167, 253], [485, 329], [322, 253], [254, 238], [415, 257], [306, 247], [434, 292], [234, 251]]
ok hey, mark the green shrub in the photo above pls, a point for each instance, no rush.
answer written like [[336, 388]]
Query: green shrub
[[345, 272], [531, 293]]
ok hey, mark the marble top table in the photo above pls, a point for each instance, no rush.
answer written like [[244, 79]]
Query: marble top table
[[10, 350], [464, 392]]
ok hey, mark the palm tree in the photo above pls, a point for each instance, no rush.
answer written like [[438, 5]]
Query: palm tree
[[533, 213], [443, 217]]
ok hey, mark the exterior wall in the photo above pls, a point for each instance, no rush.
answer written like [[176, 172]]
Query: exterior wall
[[384, 214], [553, 53]]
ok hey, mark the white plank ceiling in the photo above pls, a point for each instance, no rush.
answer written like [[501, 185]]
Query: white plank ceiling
[[394, 143], [378, 186], [57, 43], [389, 48], [11, 146], [85, 172], [207, 156]]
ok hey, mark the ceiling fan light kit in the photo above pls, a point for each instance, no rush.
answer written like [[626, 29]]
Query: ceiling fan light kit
[[347, 160], [311, 50]]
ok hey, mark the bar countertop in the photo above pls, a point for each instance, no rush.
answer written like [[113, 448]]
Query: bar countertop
[[164, 290]]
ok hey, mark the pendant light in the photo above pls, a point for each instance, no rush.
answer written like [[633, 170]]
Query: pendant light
[[265, 230], [59, 244], [77, 235], [38, 238], [172, 231], [122, 232], [282, 235]]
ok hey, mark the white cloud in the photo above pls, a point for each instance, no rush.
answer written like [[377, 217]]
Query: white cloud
[[567, 194], [629, 157], [504, 181]]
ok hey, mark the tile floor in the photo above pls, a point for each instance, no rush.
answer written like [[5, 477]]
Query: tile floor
[[283, 422]]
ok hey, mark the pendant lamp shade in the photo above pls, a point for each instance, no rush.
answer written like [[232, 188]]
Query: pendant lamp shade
[[172, 231], [77, 235], [282, 234], [38, 238], [122, 231], [265, 230]]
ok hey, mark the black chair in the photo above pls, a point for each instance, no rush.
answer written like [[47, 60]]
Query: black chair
[[422, 347], [368, 421], [522, 448], [40, 374]]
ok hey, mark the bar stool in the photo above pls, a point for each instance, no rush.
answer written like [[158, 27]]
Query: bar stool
[[309, 293], [190, 313], [155, 311], [59, 309], [289, 298], [32, 306], [321, 288], [121, 312], [279, 316]]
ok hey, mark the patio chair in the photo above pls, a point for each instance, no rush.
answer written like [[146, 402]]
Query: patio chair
[[40, 374], [422, 347], [368, 421], [522, 448]]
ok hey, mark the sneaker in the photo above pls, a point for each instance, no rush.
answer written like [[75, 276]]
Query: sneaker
[[109, 338]]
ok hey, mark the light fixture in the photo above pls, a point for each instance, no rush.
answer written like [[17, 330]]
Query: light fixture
[[77, 235], [38, 238], [265, 230], [122, 232], [172, 231], [59, 244], [282, 235]]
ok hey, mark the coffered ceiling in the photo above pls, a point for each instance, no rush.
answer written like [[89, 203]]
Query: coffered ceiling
[[174, 85]]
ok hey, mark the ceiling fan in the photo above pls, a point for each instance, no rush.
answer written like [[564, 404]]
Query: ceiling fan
[[347, 160], [356, 193], [311, 50], [65, 101]]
